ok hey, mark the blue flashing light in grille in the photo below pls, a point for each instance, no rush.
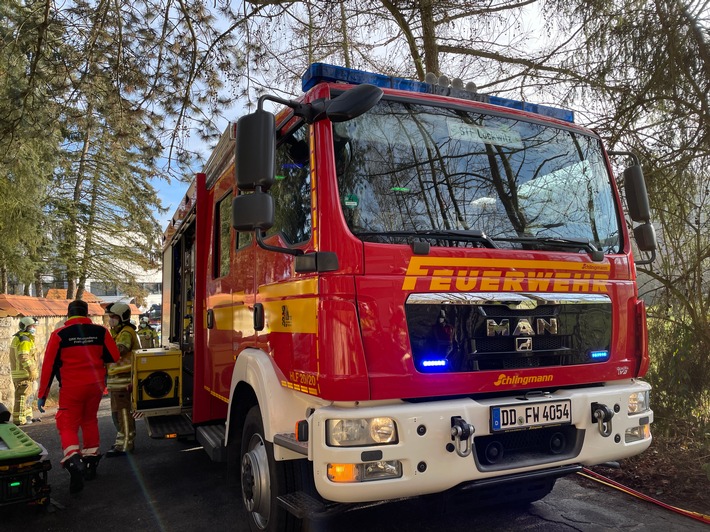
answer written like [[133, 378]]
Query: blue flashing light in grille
[[599, 356], [319, 72], [433, 365]]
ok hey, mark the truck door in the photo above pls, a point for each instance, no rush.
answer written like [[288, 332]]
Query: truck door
[[229, 291]]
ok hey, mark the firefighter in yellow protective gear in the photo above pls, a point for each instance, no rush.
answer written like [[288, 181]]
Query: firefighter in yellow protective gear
[[119, 378], [23, 365], [147, 335]]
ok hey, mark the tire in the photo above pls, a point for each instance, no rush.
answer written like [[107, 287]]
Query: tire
[[263, 480]]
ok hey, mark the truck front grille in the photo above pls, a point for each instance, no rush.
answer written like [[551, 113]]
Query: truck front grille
[[483, 332]]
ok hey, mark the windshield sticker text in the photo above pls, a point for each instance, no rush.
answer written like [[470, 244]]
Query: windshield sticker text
[[485, 135]]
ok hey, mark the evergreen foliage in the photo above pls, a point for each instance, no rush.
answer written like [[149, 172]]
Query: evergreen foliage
[[97, 100]]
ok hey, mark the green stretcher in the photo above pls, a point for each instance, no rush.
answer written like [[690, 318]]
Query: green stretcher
[[23, 468]]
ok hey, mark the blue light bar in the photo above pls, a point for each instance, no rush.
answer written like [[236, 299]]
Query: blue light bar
[[544, 110], [323, 72], [598, 356], [319, 72]]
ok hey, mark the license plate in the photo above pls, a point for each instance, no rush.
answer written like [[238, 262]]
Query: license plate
[[524, 416]]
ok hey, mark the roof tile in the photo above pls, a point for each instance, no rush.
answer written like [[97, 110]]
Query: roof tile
[[14, 306]]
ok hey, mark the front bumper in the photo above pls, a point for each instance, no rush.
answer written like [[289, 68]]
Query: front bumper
[[427, 451]]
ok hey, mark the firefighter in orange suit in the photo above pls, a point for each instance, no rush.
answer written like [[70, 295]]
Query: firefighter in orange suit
[[119, 378], [77, 354]]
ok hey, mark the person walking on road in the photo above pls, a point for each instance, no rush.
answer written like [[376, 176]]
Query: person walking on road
[[146, 334], [76, 355], [119, 378], [24, 370]]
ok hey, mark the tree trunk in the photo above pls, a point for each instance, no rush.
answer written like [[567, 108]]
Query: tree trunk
[[431, 52], [39, 291], [71, 260], [344, 33], [71, 288]]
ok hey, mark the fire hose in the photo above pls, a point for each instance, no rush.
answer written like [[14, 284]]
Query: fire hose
[[588, 473]]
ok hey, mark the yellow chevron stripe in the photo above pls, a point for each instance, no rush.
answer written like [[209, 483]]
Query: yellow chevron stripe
[[215, 394]]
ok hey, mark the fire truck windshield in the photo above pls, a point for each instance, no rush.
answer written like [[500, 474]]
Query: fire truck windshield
[[408, 168]]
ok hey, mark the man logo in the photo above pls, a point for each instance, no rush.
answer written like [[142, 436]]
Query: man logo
[[524, 327]]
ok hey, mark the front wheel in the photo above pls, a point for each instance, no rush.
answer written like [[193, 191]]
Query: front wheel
[[263, 480]]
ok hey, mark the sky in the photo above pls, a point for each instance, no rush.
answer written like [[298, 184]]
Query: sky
[[171, 194]]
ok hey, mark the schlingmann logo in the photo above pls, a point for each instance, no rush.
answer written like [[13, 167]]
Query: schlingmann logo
[[505, 379]]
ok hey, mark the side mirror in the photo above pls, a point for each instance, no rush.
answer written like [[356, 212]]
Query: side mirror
[[645, 236], [256, 150], [253, 211], [639, 207], [636, 194], [352, 103]]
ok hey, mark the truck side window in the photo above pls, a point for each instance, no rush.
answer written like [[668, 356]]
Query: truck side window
[[222, 234], [292, 189], [244, 238]]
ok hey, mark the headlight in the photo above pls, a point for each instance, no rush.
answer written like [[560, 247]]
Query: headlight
[[355, 432], [639, 402]]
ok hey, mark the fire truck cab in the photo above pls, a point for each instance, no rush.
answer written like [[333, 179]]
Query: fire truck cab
[[393, 288]]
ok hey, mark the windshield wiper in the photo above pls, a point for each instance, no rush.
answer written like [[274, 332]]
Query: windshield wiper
[[596, 255], [451, 235]]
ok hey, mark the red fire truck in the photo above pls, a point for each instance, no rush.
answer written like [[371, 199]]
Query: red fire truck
[[394, 288]]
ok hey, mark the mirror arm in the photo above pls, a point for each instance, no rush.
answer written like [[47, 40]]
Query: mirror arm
[[260, 240], [310, 112], [632, 155]]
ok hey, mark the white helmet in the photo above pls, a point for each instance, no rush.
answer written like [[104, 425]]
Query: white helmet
[[145, 320], [27, 322], [121, 310]]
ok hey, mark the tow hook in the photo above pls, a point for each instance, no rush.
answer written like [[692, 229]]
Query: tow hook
[[602, 414], [462, 434]]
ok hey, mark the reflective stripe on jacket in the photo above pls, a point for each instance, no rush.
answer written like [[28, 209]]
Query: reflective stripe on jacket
[[22, 356]]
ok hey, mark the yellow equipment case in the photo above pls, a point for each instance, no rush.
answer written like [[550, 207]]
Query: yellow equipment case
[[157, 381]]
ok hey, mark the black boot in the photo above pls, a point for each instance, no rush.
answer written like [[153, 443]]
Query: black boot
[[115, 451], [91, 463], [75, 466]]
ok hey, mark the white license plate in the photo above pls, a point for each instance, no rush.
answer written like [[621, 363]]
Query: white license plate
[[526, 415]]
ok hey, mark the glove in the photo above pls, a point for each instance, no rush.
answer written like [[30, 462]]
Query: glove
[[34, 374], [40, 404]]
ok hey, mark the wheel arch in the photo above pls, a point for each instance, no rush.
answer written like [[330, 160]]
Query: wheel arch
[[256, 380]]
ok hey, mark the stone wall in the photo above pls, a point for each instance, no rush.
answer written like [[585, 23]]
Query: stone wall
[[7, 391]]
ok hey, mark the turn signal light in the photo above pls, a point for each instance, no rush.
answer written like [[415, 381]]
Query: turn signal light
[[365, 472], [343, 473]]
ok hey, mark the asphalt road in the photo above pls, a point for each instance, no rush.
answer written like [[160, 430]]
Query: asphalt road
[[171, 486]]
